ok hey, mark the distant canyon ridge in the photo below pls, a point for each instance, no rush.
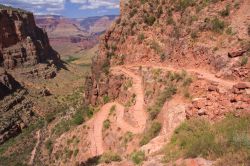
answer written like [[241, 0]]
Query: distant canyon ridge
[[69, 36]]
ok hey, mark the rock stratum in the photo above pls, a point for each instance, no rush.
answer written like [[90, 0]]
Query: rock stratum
[[25, 54]]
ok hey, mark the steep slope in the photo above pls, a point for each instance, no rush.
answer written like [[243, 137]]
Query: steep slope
[[25, 55], [194, 51]]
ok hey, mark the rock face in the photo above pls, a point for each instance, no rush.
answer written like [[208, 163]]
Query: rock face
[[25, 53], [22, 43], [176, 34]]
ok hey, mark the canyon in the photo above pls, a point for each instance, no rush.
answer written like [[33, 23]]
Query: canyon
[[169, 84]]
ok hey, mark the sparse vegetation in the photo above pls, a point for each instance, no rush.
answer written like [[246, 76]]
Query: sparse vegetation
[[141, 38], [109, 157], [106, 124], [198, 137], [71, 59], [49, 145], [243, 60], [149, 20], [138, 157], [112, 109], [167, 93], [106, 99], [151, 133], [128, 136], [217, 25], [78, 118]]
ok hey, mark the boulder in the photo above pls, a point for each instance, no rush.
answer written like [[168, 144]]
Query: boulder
[[236, 53]]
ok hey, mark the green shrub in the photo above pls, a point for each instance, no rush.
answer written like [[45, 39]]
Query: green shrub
[[183, 4], [76, 152], [244, 61], [144, 1], [163, 57], [138, 157], [149, 20], [106, 99], [109, 157], [128, 136], [49, 145], [141, 38], [167, 93], [112, 109], [151, 133], [106, 124], [217, 25], [78, 118], [199, 138], [229, 31], [71, 59]]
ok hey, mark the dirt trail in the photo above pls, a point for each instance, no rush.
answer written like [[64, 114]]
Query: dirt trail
[[139, 114], [33, 153], [201, 74]]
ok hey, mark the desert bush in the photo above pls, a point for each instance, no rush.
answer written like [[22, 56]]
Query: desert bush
[[112, 109], [141, 38], [151, 133], [49, 145], [217, 25], [128, 136], [106, 99], [183, 4], [78, 118], [106, 124], [109, 157], [167, 93], [243, 60], [198, 137], [149, 20], [138, 157]]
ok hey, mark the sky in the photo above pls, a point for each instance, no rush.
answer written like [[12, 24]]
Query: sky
[[67, 8]]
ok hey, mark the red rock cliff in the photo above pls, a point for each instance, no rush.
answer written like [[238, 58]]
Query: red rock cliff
[[22, 43]]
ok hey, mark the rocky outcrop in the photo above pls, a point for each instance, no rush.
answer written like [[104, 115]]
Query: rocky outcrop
[[22, 43], [7, 84], [25, 54], [173, 33]]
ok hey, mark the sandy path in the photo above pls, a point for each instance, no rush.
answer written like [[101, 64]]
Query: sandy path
[[33, 153], [202, 74], [139, 114]]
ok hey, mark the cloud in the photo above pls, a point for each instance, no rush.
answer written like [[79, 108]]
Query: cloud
[[96, 4], [88, 7], [37, 5]]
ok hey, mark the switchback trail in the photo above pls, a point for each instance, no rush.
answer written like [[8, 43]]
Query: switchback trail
[[202, 74], [139, 114]]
